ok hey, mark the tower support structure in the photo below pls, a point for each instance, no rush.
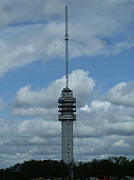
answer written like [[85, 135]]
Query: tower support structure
[[67, 115], [67, 108]]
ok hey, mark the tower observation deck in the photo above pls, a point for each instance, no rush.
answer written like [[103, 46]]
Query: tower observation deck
[[67, 109]]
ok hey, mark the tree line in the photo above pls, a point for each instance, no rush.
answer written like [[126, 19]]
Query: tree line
[[116, 167]]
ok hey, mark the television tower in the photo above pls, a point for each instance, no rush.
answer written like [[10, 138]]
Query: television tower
[[67, 108]]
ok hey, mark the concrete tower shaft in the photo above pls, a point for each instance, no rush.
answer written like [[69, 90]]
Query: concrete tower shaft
[[67, 141], [67, 115]]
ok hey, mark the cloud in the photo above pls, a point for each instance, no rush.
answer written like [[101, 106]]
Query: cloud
[[121, 94], [102, 127], [28, 139], [107, 120], [39, 128], [44, 102], [25, 45], [120, 143], [34, 30], [33, 10], [14, 12]]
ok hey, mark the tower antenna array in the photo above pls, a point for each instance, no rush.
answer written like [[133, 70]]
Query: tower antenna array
[[66, 43]]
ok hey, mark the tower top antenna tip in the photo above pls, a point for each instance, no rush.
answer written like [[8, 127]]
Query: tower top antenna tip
[[66, 43]]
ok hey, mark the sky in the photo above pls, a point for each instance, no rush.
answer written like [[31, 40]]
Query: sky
[[32, 69]]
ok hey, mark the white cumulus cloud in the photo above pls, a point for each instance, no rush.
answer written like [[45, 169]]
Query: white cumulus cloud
[[34, 30], [121, 94], [44, 102]]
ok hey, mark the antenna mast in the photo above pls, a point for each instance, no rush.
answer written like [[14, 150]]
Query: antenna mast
[[66, 43]]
